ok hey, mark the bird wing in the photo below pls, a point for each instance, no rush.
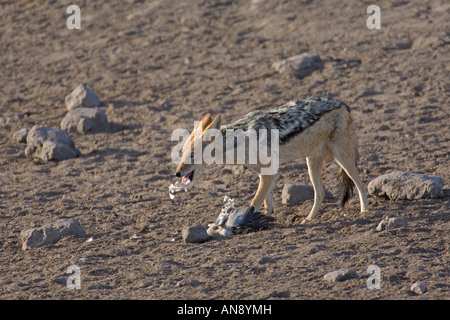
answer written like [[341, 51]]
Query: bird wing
[[248, 218]]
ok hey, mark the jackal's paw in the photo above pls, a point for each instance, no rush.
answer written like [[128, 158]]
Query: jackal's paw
[[306, 221], [268, 211], [366, 213]]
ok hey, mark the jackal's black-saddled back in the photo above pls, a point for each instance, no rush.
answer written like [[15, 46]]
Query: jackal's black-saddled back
[[290, 119]]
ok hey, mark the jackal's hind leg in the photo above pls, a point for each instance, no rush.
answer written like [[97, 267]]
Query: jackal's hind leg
[[347, 162], [315, 166]]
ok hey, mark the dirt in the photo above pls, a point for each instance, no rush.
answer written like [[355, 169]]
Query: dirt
[[158, 66]]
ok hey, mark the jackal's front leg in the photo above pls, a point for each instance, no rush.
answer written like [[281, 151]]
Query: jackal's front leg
[[264, 193], [268, 201]]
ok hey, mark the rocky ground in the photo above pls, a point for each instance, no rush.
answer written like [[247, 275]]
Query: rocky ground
[[158, 66]]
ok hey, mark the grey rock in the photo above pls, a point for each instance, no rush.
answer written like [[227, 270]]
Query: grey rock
[[186, 282], [389, 223], [396, 223], [341, 275], [50, 144], [194, 282], [400, 185], [20, 136], [182, 283], [194, 233], [51, 233], [403, 45], [300, 65], [418, 288], [296, 194], [84, 120], [82, 96]]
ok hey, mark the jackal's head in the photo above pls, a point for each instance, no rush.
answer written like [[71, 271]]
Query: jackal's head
[[189, 165]]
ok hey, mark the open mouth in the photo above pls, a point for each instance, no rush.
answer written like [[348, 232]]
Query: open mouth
[[188, 177]]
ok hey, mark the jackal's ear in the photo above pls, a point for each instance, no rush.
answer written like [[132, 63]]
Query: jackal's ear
[[215, 124], [206, 120]]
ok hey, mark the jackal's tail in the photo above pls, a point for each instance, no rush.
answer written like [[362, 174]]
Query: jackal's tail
[[346, 186]]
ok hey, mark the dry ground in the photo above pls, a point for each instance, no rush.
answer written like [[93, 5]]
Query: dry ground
[[160, 65]]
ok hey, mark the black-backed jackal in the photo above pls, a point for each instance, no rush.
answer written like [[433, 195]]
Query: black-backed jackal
[[313, 128]]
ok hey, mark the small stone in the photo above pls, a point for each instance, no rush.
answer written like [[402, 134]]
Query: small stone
[[389, 223], [341, 275], [397, 223], [194, 283], [85, 120], [20, 136], [225, 232], [418, 288], [82, 96], [195, 233], [186, 282], [212, 231], [51, 233], [300, 65], [296, 194], [403, 45], [182, 283]]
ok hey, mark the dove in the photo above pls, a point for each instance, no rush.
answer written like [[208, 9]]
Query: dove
[[233, 220]]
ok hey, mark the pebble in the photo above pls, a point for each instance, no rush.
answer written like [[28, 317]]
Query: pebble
[[301, 65], [195, 233], [418, 288], [389, 223], [341, 275], [185, 282], [82, 96]]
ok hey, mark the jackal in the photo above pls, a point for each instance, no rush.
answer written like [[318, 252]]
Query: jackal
[[314, 128]]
